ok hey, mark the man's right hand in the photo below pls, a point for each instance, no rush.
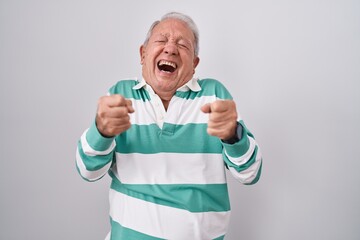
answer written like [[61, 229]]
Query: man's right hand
[[112, 117]]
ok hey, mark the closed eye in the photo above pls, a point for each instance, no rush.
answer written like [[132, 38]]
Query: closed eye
[[160, 39], [183, 46]]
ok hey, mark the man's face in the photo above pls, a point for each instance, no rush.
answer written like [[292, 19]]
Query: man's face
[[168, 60]]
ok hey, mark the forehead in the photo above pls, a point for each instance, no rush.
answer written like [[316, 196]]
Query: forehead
[[173, 28]]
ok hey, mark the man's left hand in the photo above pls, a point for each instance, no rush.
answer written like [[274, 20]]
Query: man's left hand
[[222, 118]]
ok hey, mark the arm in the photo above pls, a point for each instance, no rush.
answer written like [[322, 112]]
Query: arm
[[95, 150], [241, 152], [94, 154], [243, 157]]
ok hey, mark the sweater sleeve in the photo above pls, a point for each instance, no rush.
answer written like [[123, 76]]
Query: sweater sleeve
[[243, 158], [94, 154]]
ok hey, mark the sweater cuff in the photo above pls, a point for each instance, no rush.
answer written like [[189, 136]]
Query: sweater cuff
[[96, 141]]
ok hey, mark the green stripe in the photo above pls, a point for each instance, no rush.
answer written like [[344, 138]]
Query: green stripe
[[239, 148], [125, 88], [96, 141], [219, 238], [96, 162], [209, 85], [119, 232], [188, 138], [190, 197]]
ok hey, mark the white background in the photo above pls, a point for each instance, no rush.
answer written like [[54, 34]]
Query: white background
[[293, 68]]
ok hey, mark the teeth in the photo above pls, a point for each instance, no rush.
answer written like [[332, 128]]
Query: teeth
[[163, 62]]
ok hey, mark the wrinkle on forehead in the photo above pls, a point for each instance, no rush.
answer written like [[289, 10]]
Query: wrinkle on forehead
[[174, 29]]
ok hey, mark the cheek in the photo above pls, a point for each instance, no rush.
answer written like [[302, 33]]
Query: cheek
[[188, 61], [189, 66], [148, 61], [151, 58]]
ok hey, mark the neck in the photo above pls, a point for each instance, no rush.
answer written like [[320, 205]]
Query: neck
[[165, 98], [165, 103]]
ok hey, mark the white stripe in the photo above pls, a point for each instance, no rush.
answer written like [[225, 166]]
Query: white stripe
[[89, 151], [184, 111], [90, 175], [166, 222], [144, 112], [249, 174], [180, 111], [170, 168], [246, 157]]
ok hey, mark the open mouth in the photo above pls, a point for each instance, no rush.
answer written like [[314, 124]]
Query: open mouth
[[166, 66]]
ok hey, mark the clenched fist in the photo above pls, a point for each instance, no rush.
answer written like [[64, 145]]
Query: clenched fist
[[112, 117], [222, 118]]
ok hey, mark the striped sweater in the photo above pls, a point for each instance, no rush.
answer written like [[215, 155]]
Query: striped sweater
[[168, 174]]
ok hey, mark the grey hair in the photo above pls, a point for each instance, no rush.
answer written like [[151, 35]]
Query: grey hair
[[182, 17]]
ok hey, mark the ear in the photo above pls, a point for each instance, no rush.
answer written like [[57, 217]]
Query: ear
[[196, 62], [142, 54]]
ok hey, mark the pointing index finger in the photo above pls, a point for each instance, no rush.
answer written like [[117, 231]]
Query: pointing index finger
[[218, 106], [206, 108]]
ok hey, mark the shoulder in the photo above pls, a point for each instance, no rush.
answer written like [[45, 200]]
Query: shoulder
[[124, 87], [211, 86], [209, 82], [126, 82]]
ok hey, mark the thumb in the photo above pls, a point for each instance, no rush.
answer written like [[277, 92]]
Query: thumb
[[206, 108]]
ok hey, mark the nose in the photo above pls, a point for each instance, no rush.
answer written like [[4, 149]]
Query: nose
[[171, 48]]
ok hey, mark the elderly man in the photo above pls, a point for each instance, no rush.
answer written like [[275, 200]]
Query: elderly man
[[166, 141]]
